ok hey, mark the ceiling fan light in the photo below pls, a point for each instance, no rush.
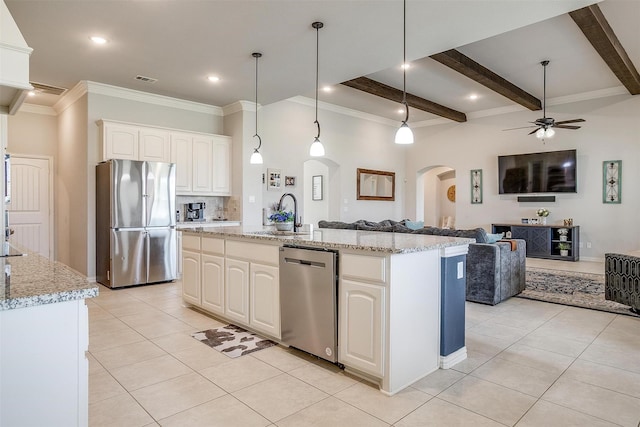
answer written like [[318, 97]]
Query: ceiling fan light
[[256, 157], [316, 149], [404, 135], [549, 133], [540, 133]]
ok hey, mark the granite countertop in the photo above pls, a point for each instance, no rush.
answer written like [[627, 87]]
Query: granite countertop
[[31, 280], [374, 241], [208, 223]]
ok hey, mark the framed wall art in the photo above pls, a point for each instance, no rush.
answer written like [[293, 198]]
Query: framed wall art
[[289, 181], [316, 187], [612, 181], [476, 186], [274, 181]]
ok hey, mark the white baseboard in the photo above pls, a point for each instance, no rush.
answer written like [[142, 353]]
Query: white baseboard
[[447, 362]]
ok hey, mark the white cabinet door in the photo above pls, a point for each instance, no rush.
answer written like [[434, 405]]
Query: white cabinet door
[[202, 178], [154, 145], [236, 291], [265, 299], [191, 287], [362, 327], [222, 165], [182, 156], [213, 283], [119, 141]]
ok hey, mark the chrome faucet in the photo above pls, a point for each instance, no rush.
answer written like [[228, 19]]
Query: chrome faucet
[[295, 209]]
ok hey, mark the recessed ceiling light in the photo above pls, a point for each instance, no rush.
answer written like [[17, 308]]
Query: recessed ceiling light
[[473, 97], [327, 88], [98, 39], [401, 111], [32, 93], [405, 66], [213, 78]]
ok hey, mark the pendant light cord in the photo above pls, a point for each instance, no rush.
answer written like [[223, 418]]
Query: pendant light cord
[[404, 60], [257, 55], [317, 26]]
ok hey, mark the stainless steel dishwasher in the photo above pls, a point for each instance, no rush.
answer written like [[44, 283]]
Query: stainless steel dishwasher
[[308, 300]]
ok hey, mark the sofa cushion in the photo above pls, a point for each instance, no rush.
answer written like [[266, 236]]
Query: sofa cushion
[[492, 238], [414, 225], [376, 227]]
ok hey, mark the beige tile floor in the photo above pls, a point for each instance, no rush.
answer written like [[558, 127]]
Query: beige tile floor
[[529, 364]]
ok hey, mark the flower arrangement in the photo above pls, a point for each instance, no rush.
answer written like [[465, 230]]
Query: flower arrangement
[[563, 231], [281, 216], [543, 212]]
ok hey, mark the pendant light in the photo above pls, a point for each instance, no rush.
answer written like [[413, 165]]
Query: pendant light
[[317, 149], [404, 134], [256, 157]]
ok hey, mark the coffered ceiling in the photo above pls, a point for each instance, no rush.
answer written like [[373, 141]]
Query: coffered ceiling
[[180, 43]]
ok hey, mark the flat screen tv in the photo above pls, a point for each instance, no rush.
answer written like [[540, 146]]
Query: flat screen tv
[[549, 172]]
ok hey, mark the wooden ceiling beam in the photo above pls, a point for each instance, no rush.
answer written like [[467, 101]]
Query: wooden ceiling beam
[[478, 73], [373, 87], [600, 34]]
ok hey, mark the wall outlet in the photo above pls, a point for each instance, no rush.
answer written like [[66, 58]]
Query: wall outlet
[[588, 245]]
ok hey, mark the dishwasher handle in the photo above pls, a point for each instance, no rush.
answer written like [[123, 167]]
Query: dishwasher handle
[[304, 262]]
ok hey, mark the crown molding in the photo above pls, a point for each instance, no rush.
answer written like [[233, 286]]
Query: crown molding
[[343, 110], [38, 109], [86, 86], [71, 96], [239, 106]]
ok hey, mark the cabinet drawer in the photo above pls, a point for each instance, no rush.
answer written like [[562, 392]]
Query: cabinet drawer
[[189, 241], [265, 254], [213, 245], [362, 267]]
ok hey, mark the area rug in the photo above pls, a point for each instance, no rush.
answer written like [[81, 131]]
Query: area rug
[[233, 340], [584, 290]]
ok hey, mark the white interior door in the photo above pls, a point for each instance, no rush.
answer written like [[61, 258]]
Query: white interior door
[[29, 210]]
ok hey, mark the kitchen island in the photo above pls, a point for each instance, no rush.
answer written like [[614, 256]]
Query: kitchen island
[[391, 324], [43, 339]]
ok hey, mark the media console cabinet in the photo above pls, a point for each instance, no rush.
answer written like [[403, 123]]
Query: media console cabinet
[[543, 240]]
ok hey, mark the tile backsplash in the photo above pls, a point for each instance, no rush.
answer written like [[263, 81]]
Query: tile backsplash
[[217, 207]]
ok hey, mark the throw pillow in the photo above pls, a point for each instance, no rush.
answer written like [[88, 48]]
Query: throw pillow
[[492, 238], [414, 225]]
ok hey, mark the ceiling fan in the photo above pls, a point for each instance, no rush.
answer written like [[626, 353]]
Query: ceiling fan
[[544, 126]]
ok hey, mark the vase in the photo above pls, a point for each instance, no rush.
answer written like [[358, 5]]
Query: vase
[[543, 220], [564, 252], [284, 226], [563, 238]]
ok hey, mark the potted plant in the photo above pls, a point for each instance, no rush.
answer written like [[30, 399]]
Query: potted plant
[[564, 248], [282, 219], [542, 214], [562, 233]]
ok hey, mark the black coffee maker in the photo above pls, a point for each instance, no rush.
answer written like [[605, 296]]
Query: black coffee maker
[[195, 211]]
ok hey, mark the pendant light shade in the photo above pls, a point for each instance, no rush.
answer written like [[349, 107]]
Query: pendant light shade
[[256, 157], [317, 149], [404, 134]]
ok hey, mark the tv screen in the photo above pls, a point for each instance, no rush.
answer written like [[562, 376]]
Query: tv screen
[[550, 172]]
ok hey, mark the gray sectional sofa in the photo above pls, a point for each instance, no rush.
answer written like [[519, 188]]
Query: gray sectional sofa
[[495, 271]]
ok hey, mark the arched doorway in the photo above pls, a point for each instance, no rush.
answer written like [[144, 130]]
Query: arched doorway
[[434, 188]]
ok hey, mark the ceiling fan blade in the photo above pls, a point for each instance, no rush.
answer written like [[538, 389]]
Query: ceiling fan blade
[[566, 127], [570, 121], [534, 131], [524, 127]]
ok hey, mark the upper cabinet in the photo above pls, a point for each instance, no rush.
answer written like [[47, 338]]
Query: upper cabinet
[[203, 161]]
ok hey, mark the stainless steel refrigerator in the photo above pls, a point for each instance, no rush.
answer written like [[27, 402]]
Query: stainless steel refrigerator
[[135, 223]]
